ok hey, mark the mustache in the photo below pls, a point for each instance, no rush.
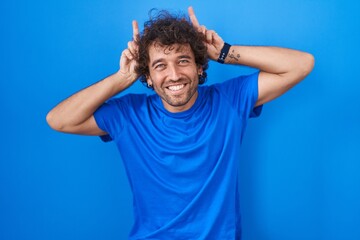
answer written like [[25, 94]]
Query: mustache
[[177, 81]]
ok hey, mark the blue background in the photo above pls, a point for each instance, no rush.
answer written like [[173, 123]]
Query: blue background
[[300, 168]]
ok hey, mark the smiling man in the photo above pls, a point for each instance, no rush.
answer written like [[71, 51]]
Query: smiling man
[[173, 73], [181, 145]]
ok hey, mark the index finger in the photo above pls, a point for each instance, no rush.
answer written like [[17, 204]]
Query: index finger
[[135, 27], [193, 18]]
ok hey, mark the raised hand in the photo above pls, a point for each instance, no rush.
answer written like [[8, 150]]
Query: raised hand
[[214, 42], [128, 59]]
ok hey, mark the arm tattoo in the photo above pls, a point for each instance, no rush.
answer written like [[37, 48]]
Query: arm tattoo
[[234, 56]]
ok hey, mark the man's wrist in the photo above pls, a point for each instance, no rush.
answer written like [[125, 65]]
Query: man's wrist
[[224, 52]]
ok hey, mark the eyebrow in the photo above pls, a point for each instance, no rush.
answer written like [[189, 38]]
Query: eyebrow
[[156, 61], [185, 56], [162, 59]]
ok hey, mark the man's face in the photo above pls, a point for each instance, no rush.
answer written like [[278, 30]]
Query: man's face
[[173, 74]]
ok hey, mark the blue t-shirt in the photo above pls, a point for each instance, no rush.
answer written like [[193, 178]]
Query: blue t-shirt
[[183, 167]]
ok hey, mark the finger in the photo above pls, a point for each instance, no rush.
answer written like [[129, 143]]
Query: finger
[[128, 55], [202, 29], [132, 46], [193, 18], [210, 35], [135, 27], [218, 40], [123, 60]]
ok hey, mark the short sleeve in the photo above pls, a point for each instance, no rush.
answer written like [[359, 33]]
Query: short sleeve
[[109, 118], [242, 93]]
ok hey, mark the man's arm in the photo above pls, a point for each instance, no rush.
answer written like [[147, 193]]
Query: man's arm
[[280, 68], [75, 114]]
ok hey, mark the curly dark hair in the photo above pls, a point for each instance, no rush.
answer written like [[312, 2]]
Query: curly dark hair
[[167, 29]]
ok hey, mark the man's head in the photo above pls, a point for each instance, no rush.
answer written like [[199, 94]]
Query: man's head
[[166, 30], [172, 60]]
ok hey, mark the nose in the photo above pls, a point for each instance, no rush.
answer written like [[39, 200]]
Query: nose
[[174, 73]]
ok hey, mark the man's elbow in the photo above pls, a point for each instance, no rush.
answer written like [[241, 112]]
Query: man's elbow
[[302, 68], [54, 122], [307, 64]]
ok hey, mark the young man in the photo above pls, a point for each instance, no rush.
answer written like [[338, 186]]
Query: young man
[[181, 146]]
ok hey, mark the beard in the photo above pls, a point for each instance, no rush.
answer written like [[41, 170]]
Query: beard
[[181, 100]]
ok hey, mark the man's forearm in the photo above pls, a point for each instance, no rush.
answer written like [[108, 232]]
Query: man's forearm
[[81, 106], [268, 59], [280, 68]]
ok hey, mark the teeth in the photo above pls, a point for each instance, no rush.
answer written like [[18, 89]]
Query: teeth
[[177, 87]]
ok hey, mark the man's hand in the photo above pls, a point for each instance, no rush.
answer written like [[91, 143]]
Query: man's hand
[[213, 41], [280, 68], [128, 59], [76, 113]]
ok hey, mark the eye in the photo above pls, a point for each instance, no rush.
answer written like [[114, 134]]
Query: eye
[[183, 61], [160, 66]]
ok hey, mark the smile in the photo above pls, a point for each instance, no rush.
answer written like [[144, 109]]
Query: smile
[[176, 87]]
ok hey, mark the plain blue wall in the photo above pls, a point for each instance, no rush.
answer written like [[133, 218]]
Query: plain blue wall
[[300, 168]]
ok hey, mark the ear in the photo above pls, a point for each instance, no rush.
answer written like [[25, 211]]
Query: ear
[[149, 81], [200, 70]]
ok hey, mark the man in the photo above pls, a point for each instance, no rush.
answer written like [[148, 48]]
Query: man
[[181, 146]]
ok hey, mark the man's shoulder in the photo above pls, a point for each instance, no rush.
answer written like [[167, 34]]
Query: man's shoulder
[[130, 98], [237, 79]]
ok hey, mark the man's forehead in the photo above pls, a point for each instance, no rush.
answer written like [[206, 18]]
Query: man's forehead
[[167, 49]]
